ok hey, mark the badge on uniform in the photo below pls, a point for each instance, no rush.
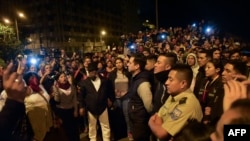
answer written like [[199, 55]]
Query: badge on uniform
[[183, 100], [175, 114]]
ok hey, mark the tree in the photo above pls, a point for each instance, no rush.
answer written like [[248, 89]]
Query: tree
[[9, 46]]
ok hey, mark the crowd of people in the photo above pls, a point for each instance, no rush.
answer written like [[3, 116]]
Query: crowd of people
[[175, 84]]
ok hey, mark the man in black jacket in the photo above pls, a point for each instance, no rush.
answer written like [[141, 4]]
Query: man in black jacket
[[203, 57], [161, 69], [140, 95], [96, 94]]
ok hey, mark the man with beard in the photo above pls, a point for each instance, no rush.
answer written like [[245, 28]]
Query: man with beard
[[96, 95]]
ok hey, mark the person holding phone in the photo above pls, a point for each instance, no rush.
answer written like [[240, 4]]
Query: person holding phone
[[64, 93]]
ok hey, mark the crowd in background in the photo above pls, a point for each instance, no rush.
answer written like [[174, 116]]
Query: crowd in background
[[158, 85]]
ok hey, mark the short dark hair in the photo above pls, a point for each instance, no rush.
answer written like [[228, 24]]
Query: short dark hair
[[151, 57], [194, 131], [139, 59], [171, 56], [28, 75], [239, 66], [207, 52], [146, 49], [119, 58], [233, 52], [184, 72], [217, 64], [215, 49]]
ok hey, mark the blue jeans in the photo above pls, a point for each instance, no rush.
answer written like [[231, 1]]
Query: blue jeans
[[123, 104]]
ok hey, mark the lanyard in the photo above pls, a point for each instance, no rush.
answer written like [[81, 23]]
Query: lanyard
[[205, 93]]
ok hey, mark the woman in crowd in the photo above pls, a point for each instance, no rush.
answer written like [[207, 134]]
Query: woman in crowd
[[211, 93], [120, 79], [101, 69], [64, 93], [37, 106], [109, 68]]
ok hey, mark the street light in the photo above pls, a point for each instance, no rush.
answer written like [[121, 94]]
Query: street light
[[156, 14], [103, 33], [21, 15], [7, 21]]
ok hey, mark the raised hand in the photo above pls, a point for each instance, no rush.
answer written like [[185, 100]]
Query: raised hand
[[234, 90], [13, 83]]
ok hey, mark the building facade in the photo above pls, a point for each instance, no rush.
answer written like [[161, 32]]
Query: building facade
[[69, 24]]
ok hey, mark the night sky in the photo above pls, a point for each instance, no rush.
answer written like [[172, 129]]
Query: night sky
[[229, 16]]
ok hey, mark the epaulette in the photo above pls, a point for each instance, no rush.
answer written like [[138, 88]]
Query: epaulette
[[183, 100]]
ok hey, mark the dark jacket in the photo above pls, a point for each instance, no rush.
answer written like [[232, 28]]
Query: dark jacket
[[14, 124], [199, 78], [160, 93], [48, 82], [138, 114], [212, 96], [151, 79], [136, 105], [95, 101], [77, 76]]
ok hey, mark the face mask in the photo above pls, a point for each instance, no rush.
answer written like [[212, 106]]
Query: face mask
[[34, 85]]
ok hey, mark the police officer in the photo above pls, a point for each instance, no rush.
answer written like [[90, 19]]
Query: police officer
[[181, 105]]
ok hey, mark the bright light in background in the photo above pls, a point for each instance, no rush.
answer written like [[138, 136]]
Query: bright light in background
[[20, 14], [208, 29], [33, 61], [29, 39], [6, 20], [193, 25], [103, 32], [163, 36], [132, 47]]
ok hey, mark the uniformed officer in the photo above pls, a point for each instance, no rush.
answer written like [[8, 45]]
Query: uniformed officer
[[181, 105]]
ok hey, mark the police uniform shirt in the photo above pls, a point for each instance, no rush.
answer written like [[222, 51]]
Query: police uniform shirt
[[177, 110]]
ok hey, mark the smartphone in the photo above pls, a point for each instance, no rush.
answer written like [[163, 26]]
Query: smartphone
[[15, 65], [19, 62]]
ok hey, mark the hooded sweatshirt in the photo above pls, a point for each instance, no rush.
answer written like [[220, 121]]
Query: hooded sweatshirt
[[195, 69]]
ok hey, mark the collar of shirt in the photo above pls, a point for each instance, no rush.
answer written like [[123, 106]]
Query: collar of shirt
[[180, 95]]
